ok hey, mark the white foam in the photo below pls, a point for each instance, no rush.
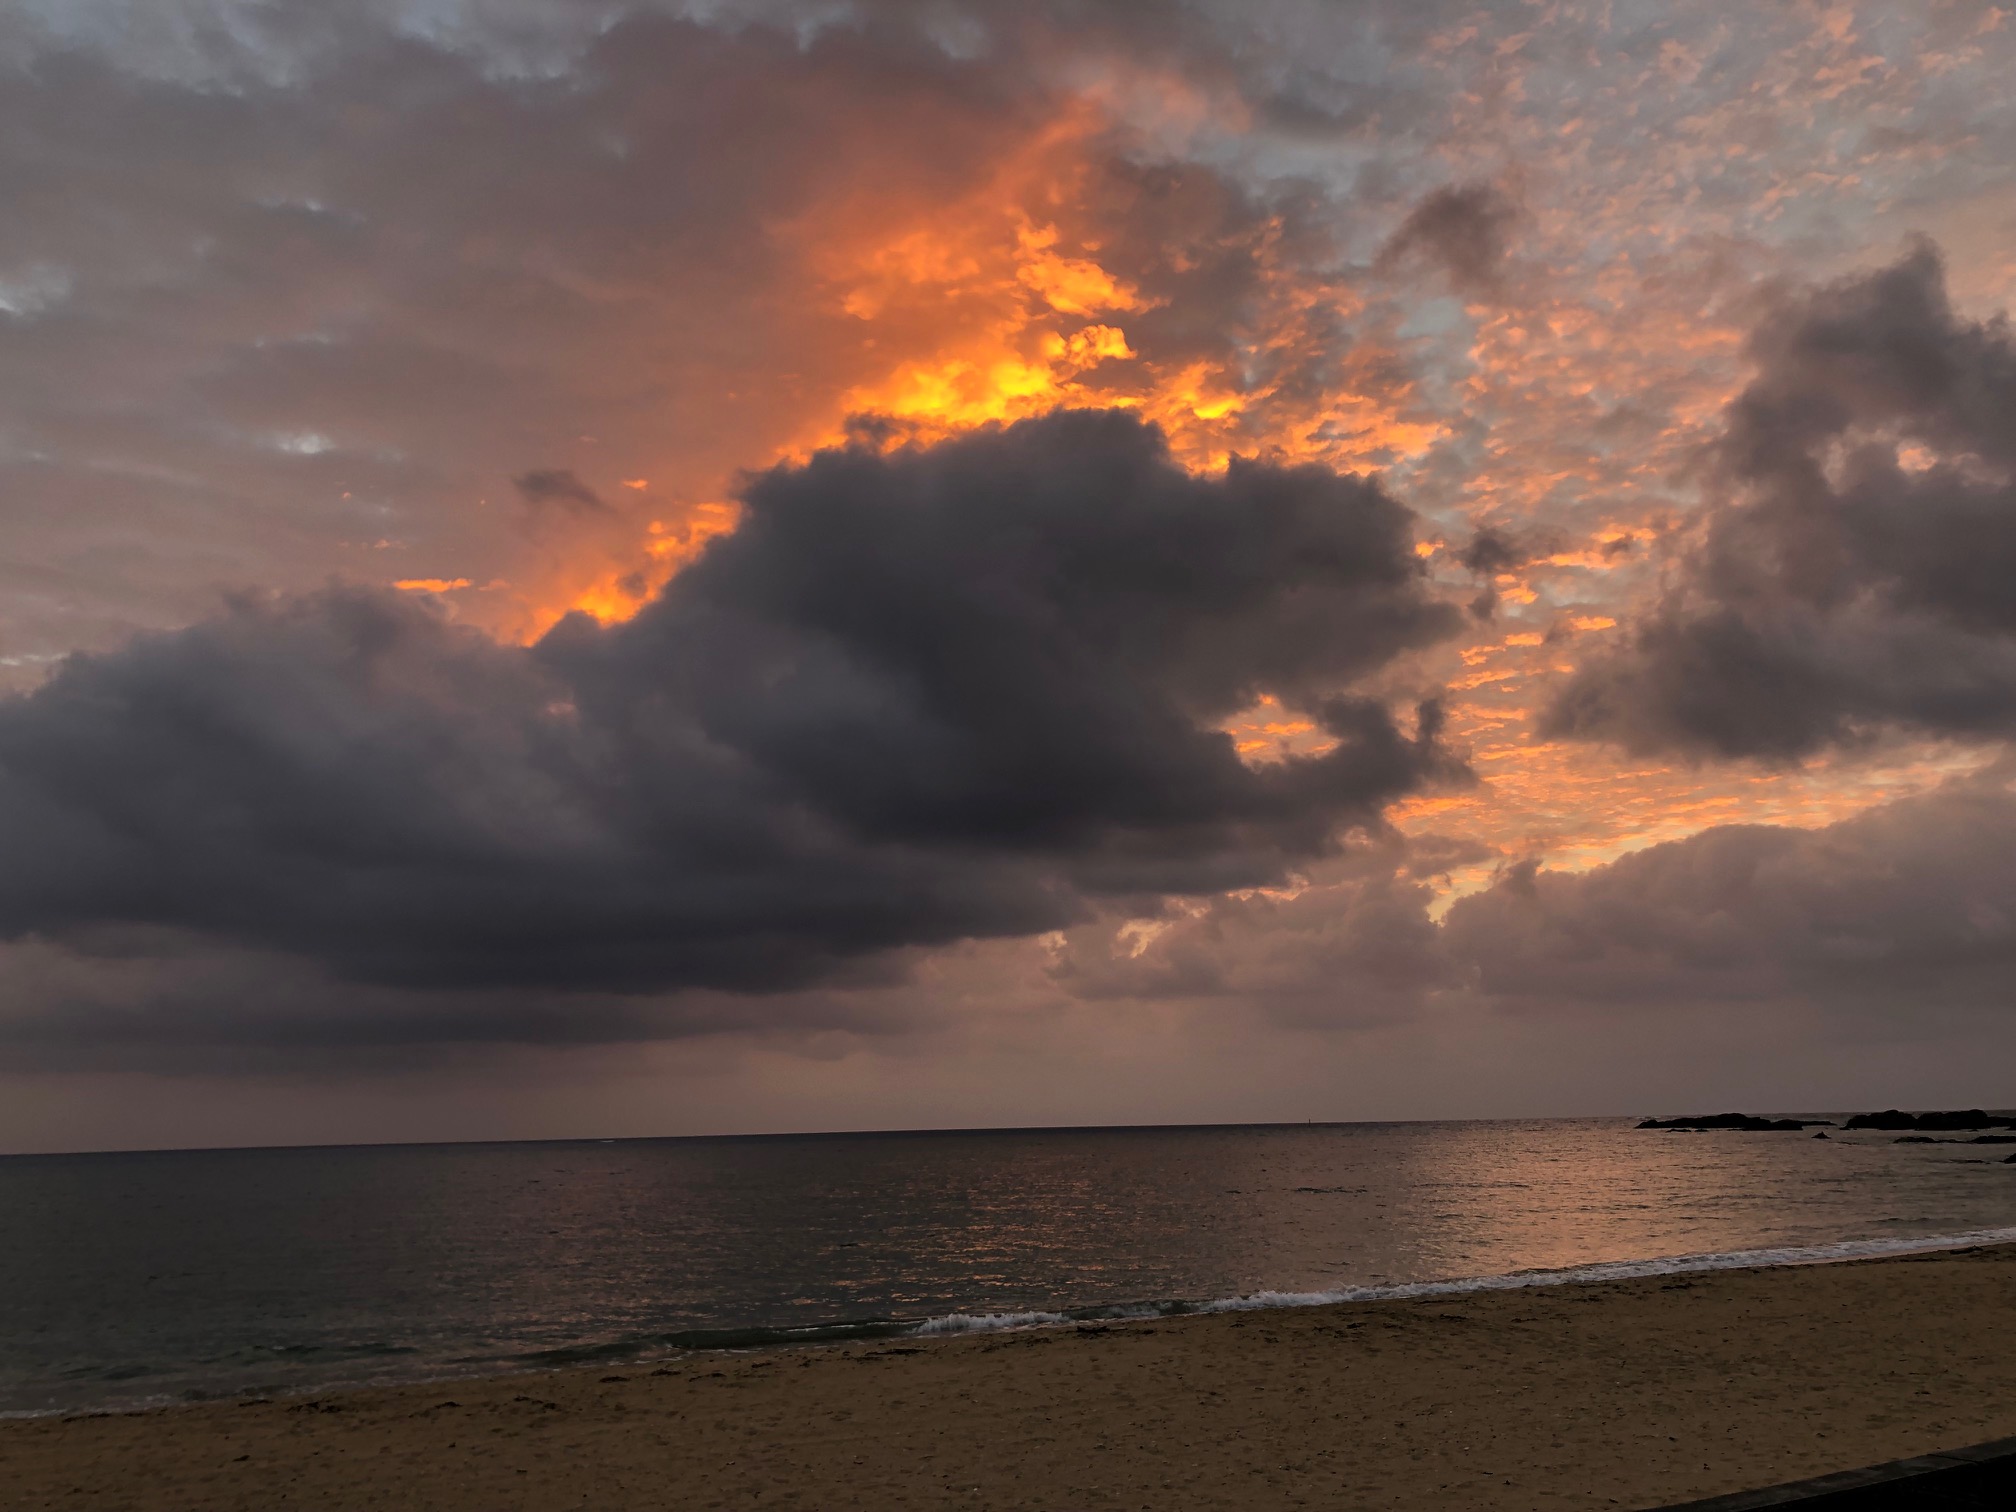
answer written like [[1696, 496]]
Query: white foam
[[1608, 1270], [957, 1323]]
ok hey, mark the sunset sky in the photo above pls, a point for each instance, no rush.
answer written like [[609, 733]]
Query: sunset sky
[[645, 568]]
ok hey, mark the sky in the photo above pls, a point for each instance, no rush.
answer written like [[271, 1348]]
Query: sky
[[631, 568]]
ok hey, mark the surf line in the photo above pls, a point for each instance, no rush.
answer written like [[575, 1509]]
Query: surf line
[[1602, 1270]]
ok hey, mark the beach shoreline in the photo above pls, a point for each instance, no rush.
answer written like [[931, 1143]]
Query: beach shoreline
[[1633, 1392], [727, 1341]]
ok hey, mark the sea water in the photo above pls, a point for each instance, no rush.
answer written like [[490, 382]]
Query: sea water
[[133, 1279]]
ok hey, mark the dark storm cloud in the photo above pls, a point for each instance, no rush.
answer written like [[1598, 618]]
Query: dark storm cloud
[[1861, 571], [172, 1001], [1464, 229], [374, 261], [1909, 909], [945, 693]]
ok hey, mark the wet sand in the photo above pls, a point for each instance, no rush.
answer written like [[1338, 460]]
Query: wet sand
[[1625, 1394]]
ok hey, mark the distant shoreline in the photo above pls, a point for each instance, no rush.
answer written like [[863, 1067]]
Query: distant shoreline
[[1812, 1118], [1624, 1392], [784, 1135]]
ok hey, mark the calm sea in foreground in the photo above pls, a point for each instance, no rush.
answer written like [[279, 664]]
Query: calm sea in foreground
[[140, 1278]]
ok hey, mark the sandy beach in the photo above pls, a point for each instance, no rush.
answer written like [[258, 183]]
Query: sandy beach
[[1620, 1394]]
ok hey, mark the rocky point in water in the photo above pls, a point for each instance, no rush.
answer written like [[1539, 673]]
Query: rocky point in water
[[1963, 1118], [1744, 1121]]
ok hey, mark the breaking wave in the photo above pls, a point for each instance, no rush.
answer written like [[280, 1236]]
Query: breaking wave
[[1607, 1270]]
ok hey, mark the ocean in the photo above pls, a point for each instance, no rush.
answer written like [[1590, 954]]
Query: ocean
[[128, 1280]]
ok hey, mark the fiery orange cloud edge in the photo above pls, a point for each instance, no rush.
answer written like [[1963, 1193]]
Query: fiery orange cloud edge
[[1001, 304], [1006, 302]]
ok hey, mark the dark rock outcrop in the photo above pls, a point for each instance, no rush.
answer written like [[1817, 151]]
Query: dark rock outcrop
[[1964, 1118], [1743, 1121]]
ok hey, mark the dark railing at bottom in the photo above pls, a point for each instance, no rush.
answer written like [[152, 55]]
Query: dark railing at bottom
[[1960, 1480]]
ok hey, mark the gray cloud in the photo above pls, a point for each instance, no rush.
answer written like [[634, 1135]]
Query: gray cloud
[[1895, 921], [1906, 911], [957, 692], [179, 1002], [1350, 947], [1860, 571], [1898, 919]]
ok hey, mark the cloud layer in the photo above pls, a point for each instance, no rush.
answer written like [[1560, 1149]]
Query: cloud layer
[[918, 697], [492, 300], [1903, 913], [1900, 917]]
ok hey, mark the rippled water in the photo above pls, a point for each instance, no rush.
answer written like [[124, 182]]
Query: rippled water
[[146, 1277]]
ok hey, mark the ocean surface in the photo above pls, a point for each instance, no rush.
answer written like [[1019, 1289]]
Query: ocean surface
[[133, 1279]]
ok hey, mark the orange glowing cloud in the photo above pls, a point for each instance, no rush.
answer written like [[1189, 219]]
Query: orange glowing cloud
[[1012, 300], [1068, 285], [1040, 283], [1266, 733], [430, 585], [618, 593]]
